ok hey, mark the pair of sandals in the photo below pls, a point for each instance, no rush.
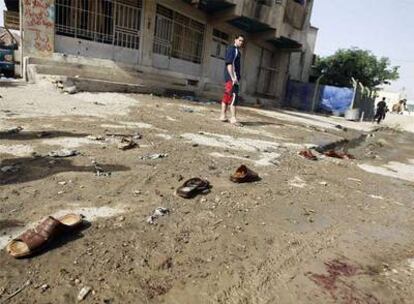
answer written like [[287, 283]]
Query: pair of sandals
[[196, 185]]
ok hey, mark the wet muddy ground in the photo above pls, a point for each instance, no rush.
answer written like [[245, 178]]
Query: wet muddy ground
[[325, 231]]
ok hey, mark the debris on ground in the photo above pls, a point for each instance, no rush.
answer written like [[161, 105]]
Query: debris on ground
[[10, 169], [14, 130], [308, 154], [84, 293], [26, 284], [70, 90], [99, 171], [42, 134], [244, 175], [93, 137], [187, 110], [323, 183], [134, 136], [193, 187], [337, 154], [160, 211], [341, 128], [354, 179], [63, 153], [127, 143], [153, 156]]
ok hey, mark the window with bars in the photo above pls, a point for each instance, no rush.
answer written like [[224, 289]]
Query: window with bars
[[178, 36], [219, 45], [104, 21]]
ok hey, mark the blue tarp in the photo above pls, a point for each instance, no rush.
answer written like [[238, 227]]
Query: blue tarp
[[334, 99]]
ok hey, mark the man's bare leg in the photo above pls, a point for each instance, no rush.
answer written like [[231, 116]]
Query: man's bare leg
[[233, 119], [223, 116]]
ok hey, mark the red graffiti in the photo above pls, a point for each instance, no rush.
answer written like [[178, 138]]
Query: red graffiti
[[36, 13], [42, 42]]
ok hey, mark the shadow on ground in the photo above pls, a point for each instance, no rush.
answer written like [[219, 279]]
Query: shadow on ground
[[30, 169], [28, 135]]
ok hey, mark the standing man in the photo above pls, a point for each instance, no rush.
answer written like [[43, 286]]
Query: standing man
[[232, 79], [381, 110]]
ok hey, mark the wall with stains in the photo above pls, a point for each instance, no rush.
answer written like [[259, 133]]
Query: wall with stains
[[39, 27]]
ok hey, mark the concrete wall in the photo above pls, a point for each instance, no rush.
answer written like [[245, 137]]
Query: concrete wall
[[301, 62], [39, 27]]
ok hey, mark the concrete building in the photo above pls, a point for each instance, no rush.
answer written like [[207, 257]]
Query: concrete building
[[301, 63], [164, 45]]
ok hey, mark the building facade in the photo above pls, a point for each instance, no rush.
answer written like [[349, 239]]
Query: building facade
[[165, 44]]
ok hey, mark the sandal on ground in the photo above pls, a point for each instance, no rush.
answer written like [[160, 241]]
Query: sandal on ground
[[192, 187], [34, 240], [244, 175], [336, 154], [308, 154]]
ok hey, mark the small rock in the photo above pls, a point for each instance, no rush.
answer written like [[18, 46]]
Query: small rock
[[323, 183], [77, 281], [121, 218], [44, 287], [84, 293], [62, 183]]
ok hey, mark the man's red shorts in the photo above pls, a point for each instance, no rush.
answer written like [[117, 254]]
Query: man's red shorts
[[231, 93]]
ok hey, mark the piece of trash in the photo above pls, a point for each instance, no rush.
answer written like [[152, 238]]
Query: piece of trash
[[341, 128], [63, 153], [323, 183], [44, 287], [160, 211], [62, 183], [98, 103], [99, 171], [376, 197], [153, 156], [43, 134], [336, 154], [187, 110], [10, 169], [14, 130], [84, 293], [127, 143], [308, 154], [354, 179], [92, 137], [70, 90]]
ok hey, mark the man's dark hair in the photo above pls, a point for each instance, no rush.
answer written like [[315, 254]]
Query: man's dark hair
[[240, 35], [383, 98]]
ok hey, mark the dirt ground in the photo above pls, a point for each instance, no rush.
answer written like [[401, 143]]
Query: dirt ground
[[326, 231]]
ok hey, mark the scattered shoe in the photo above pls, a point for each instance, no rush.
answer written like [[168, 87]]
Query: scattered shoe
[[244, 175], [308, 154], [127, 143], [34, 240], [336, 154], [192, 187]]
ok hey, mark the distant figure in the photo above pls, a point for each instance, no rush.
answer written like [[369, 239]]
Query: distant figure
[[232, 77], [400, 107], [381, 111]]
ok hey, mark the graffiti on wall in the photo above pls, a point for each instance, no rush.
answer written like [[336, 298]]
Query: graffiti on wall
[[39, 26]]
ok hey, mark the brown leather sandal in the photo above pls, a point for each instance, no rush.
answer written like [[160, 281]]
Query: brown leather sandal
[[192, 187], [244, 175], [34, 240], [308, 154]]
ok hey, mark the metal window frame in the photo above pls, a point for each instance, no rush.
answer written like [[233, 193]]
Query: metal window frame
[[113, 22], [179, 38]]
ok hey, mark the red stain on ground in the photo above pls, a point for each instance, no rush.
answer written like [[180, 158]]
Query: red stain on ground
[[341, 291]]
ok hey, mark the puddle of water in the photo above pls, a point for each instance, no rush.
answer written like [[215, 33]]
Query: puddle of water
[[70, 142], [16, 150], [392, 169], [90, 213]]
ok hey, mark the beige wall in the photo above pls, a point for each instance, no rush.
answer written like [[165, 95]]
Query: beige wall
[[39, 27]]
